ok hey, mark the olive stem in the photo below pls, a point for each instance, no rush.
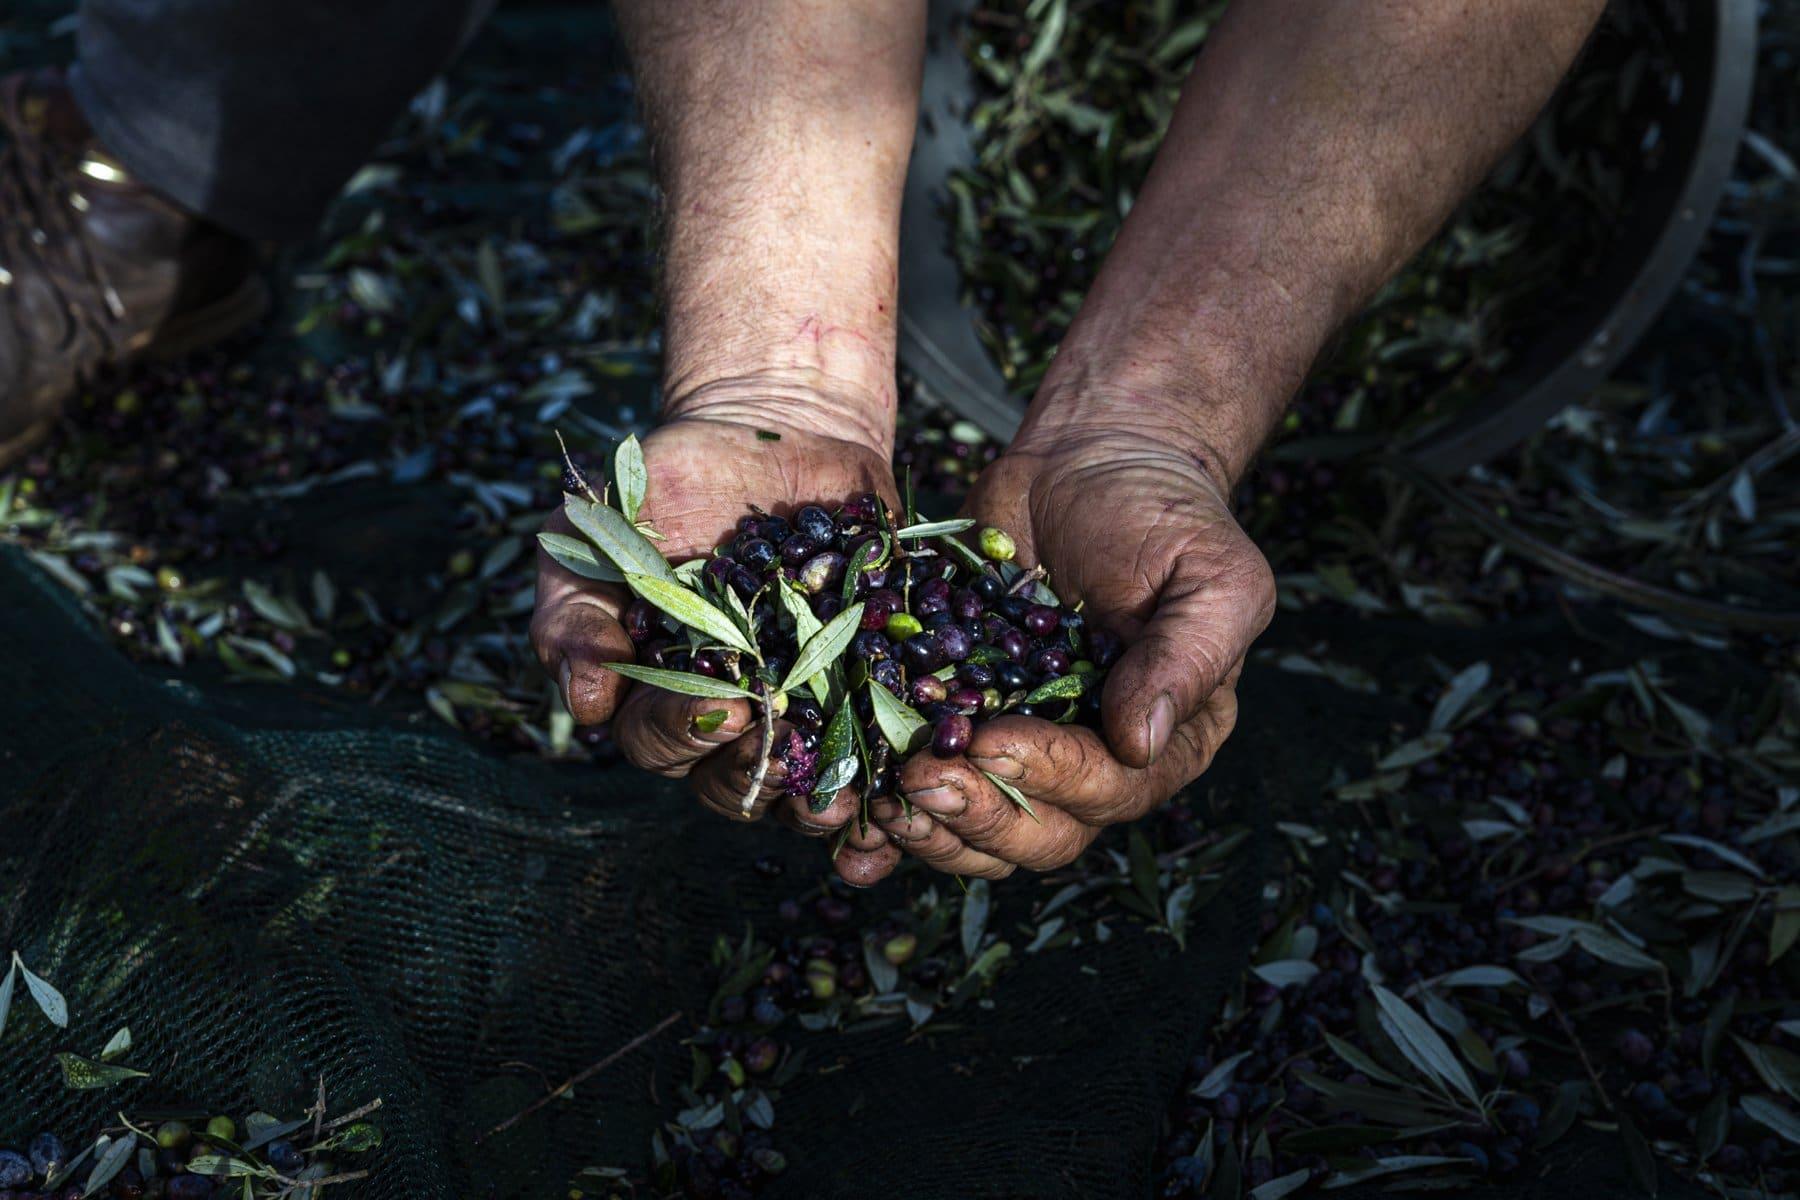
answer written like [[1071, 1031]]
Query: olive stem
[[761, 770], [582, 1076]]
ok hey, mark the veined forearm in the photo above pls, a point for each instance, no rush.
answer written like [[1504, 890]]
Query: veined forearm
[[1315, 148], [781, 131]]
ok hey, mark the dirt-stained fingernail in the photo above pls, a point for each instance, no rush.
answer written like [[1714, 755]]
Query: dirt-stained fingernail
[[1160, 725], [943, 801], [565, 675]]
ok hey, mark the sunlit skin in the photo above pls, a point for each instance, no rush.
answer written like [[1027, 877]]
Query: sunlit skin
[[1313, 150]]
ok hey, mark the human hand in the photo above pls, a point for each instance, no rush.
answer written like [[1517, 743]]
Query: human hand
[[1141, 534], [705, 471]]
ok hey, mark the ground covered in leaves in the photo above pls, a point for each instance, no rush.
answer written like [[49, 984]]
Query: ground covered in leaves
[[1560, 898]]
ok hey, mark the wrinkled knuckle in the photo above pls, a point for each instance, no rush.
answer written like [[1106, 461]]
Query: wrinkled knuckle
[[979, 821]]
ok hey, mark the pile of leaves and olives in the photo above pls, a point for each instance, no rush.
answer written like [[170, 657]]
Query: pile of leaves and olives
[[868, 634], [178, 1153]]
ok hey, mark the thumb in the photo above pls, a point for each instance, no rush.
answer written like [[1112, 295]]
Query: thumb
[[1212, 606]]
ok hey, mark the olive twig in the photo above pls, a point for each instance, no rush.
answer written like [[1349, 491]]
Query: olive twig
[[761, 770]]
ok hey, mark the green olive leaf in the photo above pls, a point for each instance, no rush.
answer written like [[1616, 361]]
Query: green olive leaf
[[6, 993], [684, 682], [576, 555], [833, 778], [1638, 1155], [47, 997], [221, 1167], [618, 539], [867, 555], [965, 554], [822, 648], [1014, 794], [709, 721], [1765, 1111], [84, 1074], [1421, 1045], [112, 1161], [936, 528], [1063, 687], [900, 725], [631, 475], [691, 609], [120, 1043]]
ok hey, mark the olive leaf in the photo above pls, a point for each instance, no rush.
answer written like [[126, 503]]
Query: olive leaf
[[1714, 848], [1014, 794], [794, 604], [1458, 695], [1282, 1185], [112, 1161], [47, 997], [631, 476], [1479, 976], [691, 609], [1779, 1068], [84, 1074], [966, 555], [630, 551], [1765, 1111], [709, 721], [866, 555], [1405, 1109], [221, 1167], [6, 993], [1421, 1045], [839, 745], [822, 648], [1563, 1111], [1359, 1061], [900, 725], [837, 775], [684, 682], [1638, 1156], [575, 555], [936, 528], [1713, 1123], [1063, 687], [119, 1044]]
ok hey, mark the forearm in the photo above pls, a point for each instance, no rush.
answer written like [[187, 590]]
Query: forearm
[[1314, 149], [781, 131]]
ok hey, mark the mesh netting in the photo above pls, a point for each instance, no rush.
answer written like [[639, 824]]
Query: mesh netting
[[268, 885], [310, 891]]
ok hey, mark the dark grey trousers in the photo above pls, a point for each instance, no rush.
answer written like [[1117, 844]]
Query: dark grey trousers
[[254, 113]]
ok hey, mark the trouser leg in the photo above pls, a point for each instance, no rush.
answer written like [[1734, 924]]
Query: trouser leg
[[254, 113]]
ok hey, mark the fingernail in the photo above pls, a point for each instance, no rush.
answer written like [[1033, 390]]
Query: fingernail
[[1009, 769], [942, 801], [1160, 725], [565, 676]]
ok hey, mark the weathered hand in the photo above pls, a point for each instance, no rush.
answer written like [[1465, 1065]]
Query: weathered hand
[[1142, 536], [704, 473]]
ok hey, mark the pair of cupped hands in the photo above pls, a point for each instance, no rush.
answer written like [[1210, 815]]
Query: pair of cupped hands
[[1137, 531]]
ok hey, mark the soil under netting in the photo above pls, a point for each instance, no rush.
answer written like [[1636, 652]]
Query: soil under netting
[[269, 886]]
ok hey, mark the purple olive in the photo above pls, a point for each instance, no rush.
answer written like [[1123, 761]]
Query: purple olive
[[928, 689], [954, 643], [951, 737], [822, 571]]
